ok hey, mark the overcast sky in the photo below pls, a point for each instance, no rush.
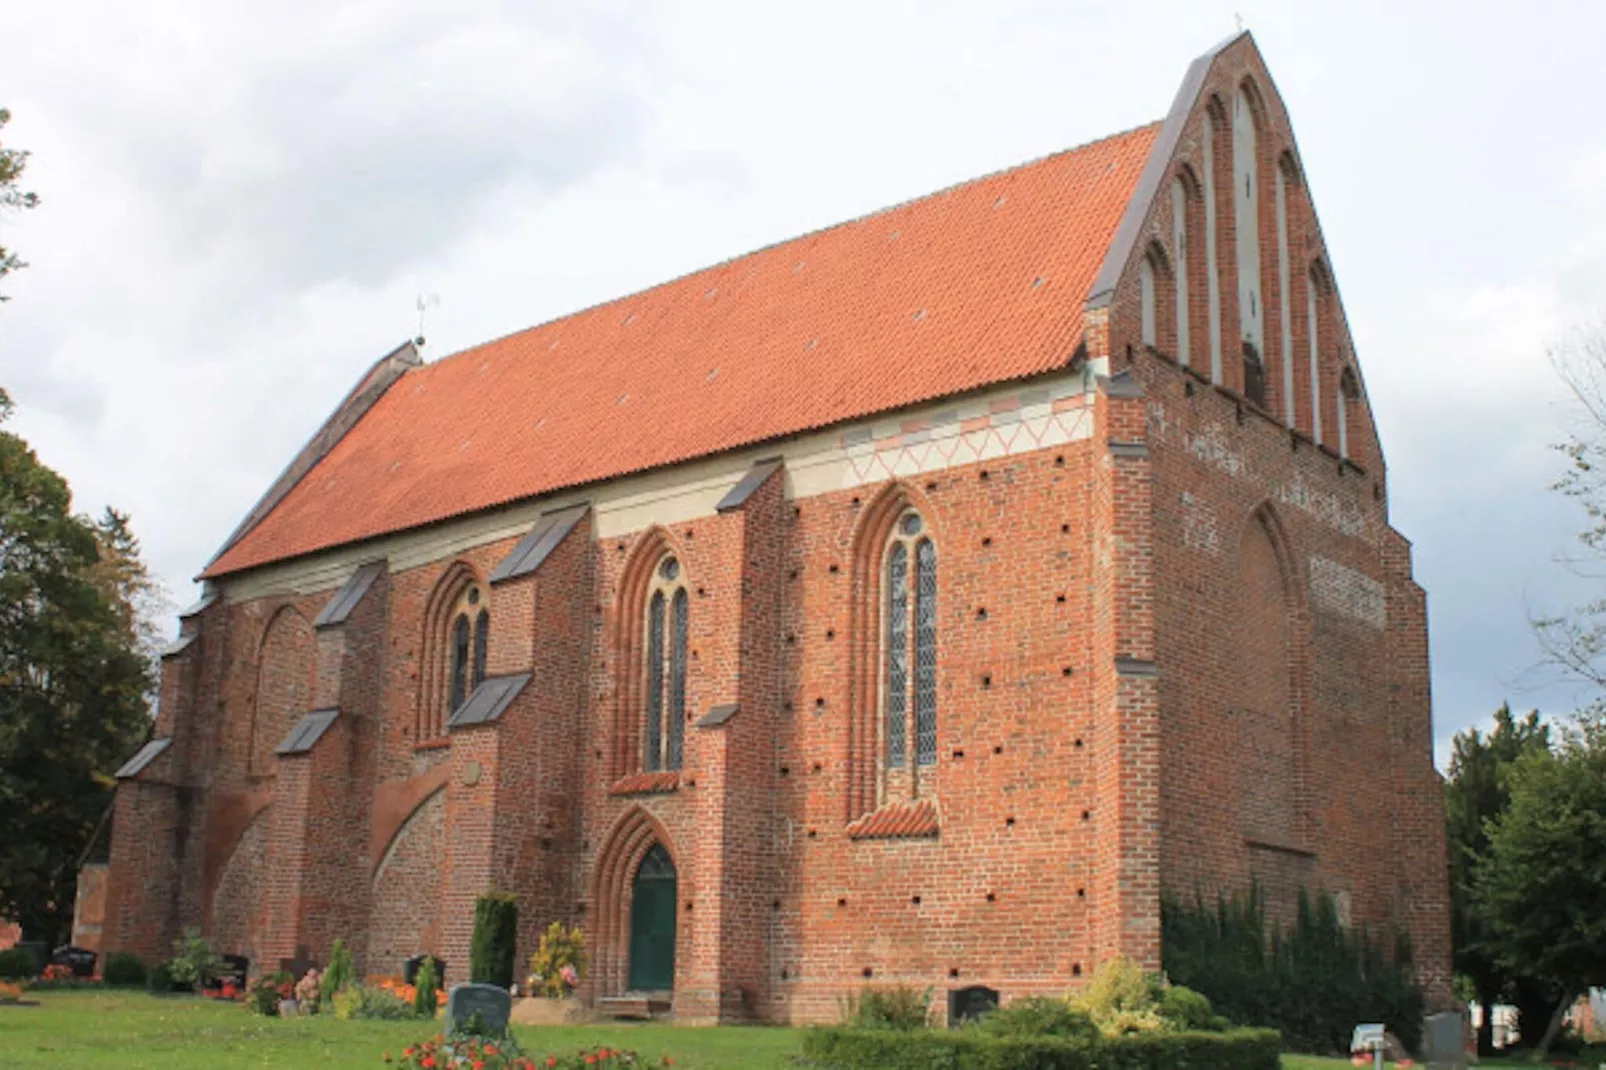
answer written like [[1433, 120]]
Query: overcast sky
[[242, 202]]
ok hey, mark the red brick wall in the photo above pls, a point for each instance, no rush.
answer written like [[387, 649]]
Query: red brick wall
[[1182, 652]]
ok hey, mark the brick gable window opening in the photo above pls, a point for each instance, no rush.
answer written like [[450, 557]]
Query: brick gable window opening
[[908, 659]]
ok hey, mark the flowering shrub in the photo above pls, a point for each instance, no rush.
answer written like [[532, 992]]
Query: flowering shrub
[[555, 967], [227, 990], [367, 1002], [266, 991], [480, 1053], [405, 992], [57, 975], [466, 1052], [307, 992]]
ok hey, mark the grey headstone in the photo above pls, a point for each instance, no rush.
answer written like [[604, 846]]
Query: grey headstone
[[493, 1005], [1444, 1040]]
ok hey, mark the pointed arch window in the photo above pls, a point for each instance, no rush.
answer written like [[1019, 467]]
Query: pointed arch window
[[668, 610], [470, 638], [909, 647]]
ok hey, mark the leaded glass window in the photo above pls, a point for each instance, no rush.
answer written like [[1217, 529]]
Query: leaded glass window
[[909, 646], [677, 681], [665, 684], [459, 688], [926, 653], [482, 638], [897, 699]]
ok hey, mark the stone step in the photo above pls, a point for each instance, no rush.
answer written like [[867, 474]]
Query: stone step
[[639, 1005]]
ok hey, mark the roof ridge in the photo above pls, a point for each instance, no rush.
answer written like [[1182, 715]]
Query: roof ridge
[[781, 242]]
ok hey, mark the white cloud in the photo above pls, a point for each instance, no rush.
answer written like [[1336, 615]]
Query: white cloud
[[243, 200]]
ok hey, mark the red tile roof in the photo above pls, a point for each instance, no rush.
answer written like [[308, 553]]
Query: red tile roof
[[899, 820], [977, 284]]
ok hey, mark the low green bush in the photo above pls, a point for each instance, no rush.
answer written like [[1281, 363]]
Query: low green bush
[[366, 1002], [837, 1048], [901, 1009], [16, 964], [159, 979], [1039, 1016], [124, 969], [194, 963]]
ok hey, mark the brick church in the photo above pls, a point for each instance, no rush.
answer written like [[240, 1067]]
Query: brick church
[[912, 602]]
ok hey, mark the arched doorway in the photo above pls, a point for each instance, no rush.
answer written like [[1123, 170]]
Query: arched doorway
[[652, 923]]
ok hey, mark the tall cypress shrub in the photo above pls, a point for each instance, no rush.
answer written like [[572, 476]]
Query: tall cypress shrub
[[496, 930], [1314, 980]]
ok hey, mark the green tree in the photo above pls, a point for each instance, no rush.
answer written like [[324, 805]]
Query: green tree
[[74, 683], [12, 163], [1541, 885], [1476, 793]]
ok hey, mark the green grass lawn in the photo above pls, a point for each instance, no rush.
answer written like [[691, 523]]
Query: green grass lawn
[[90, 1030], [126, 1030]]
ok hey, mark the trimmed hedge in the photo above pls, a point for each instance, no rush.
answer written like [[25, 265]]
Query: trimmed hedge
[[17, 964], [496, 932], [968, 1049]]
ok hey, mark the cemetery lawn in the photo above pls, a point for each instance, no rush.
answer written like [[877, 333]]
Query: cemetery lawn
[[127, 1030]]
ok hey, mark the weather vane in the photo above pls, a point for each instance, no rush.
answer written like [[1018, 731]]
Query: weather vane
[[425, 302]]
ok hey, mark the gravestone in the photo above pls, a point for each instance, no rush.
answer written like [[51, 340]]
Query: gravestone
[[77, 959], [411, 966], [490, 1002], [969, 1004], [234, 968], [298, 966], [1444, 1040]]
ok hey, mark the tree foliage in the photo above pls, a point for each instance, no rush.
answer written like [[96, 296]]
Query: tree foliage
[[1313, 979], [12, 163], [1477, 792], [75, 681], [1541, 884], [1575, 641]]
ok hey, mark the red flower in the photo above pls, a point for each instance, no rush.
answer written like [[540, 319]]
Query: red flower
[[490, 1049], [552, 1060], [429, 1061]]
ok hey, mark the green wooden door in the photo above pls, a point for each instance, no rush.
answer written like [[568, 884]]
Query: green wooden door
[[652, 924]]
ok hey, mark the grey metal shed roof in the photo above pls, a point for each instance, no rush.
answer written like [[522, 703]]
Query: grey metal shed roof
[[489, 700], [538, 545], [751, 480], [338, 608], [142, 758], [307, 732]]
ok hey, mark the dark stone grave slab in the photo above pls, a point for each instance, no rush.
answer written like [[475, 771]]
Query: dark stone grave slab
[[969, 1004], [490, 1002], [411, 967], [235, 968], [80, 960]]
